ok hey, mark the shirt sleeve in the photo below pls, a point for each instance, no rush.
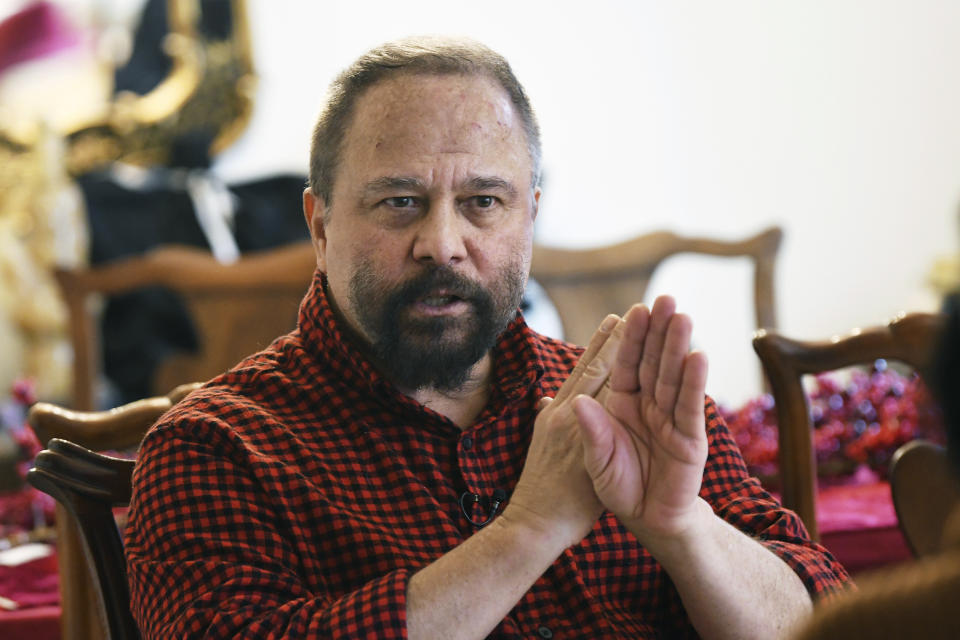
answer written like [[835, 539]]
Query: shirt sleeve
[[739, 499], [206, 557]]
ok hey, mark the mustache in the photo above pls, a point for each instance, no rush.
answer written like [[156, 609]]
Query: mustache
[[436, 279]]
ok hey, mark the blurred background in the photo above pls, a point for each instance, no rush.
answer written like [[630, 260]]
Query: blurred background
[[836, 120]]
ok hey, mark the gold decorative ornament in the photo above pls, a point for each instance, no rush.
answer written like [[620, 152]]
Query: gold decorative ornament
[[210, 88]]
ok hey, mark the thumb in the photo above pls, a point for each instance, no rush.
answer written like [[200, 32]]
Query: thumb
[[596, 432], [544, 402]]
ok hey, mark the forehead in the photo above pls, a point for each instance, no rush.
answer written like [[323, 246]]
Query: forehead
[[411, 118]]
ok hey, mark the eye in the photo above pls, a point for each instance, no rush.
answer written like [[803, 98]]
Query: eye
[[485, 202], [401, 202]]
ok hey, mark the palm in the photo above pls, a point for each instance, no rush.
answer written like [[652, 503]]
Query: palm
[[659, 468], [644, 440]]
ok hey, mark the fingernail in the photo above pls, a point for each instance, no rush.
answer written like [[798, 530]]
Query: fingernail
[[609, 322]]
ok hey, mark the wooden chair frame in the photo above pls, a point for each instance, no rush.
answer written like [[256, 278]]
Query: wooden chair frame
[[586, 284], [926, 491], [85, 486], [88, 485], [236, 307], [908, 338]]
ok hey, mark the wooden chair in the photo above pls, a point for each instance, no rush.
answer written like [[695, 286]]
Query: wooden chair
[[587, 284], [925, 490], [88, 485], [236, 308], [93, 590], [909, 338]]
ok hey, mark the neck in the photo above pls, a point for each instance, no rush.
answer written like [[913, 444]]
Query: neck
[[464, 404]]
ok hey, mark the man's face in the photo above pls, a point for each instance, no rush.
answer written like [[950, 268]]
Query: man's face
[[426, 244]]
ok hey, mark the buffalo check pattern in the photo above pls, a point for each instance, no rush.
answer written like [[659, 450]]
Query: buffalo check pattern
[[295, 495]]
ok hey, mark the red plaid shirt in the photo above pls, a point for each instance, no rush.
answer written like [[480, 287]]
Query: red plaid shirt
[[295, 495]]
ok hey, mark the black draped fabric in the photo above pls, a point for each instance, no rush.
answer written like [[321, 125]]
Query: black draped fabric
[[129, 217], [142, 328]]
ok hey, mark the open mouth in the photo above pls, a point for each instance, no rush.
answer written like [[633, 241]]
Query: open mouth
[[440, 303]]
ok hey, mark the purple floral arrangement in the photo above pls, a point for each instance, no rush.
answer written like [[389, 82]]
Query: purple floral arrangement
[[858, 421]]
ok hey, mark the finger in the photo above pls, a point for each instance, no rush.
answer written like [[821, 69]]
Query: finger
[[625, 373], [663, 309], [596, 435], [689, 412], [676, 346], [594, 365], [600, 337]]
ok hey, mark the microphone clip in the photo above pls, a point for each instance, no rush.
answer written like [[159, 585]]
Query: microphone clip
[[492, 506]]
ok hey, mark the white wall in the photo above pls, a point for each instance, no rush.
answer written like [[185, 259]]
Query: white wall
[[838, 120]]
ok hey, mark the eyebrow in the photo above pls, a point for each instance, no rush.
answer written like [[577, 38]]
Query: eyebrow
[[479, 183], [485, 183], [388, 183]]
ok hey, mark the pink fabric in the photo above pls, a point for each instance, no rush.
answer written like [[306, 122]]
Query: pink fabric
[[31, 584], [21, 508], [856, 506], [858, 523], [34, 586], [38, 623], [863, 550], [36, 31]]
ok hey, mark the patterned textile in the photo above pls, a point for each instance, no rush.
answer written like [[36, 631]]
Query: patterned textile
[[296, 494]]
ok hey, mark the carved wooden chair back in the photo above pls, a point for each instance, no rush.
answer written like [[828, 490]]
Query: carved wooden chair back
[[95, 602], [88, 485], [586, 284], [908, 338], [236, 308], [926, 491]]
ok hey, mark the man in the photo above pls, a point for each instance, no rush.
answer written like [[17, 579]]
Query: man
[[338, 483]]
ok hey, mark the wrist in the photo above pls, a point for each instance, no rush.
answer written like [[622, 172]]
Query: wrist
[[688, 534], [540, 532]]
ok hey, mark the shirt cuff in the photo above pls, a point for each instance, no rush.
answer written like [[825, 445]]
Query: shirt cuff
[[376, 610]]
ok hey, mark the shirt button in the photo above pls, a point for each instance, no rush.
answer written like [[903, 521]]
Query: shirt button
[[544, 632], [467, 442]]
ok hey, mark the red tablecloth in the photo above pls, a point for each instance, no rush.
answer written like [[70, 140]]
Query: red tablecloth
[[859, 525], [37, 623], [34, 586]]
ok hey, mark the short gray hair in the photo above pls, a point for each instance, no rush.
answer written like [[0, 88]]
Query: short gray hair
[[423, 56]]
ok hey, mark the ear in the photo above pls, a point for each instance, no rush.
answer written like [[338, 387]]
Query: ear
[[536, 202], [314, 210]]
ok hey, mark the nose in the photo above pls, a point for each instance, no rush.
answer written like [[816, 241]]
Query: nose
[[440, 237]]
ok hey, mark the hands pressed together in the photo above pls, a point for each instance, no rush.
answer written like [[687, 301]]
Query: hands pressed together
[[625, 432]]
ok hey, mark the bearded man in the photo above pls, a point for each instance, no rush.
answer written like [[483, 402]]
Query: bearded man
[[413, 460]]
